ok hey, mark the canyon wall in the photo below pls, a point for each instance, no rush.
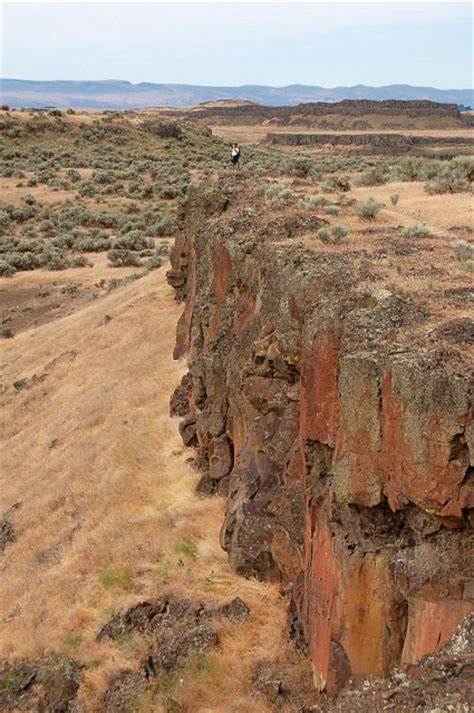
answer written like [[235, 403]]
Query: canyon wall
[[390, 144], [363, 114], [343, 446]]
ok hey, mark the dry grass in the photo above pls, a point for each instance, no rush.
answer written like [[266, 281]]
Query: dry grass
[[253, 134], [429, 272], [107, 500], [415, 205]]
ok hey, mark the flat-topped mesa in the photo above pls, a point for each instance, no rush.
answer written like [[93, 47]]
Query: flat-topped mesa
[[389, 113], [337, 421]]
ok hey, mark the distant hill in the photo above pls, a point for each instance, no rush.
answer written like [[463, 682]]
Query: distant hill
[[117, 94]]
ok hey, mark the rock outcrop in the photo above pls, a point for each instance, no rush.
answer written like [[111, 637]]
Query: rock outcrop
[[355, 114], [344, 446], [370, 143]]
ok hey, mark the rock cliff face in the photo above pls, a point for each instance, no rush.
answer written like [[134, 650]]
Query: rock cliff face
[[388, 110], [391, 144], [343, 446]]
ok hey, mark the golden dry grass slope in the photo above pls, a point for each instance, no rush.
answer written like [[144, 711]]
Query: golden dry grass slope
[[106, 512]]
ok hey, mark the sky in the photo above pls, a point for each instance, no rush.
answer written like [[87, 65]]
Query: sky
[[227, 43]]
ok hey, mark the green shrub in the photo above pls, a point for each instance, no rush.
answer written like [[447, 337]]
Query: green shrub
[[336, 183], [123, 258], [23, 261], [48, 227], [163, 249], [455, 176], [134, 240], [79, 261], [92, 245], [87, 190], [279, 194], [153, 263], [375, 176], [464, 250], [63, 242], [411, 168], [166, 129], [417, 230], [340, 234], [298, 166], [314, 202], [8, 243], [29, 246], [6, 269], [323, 235], [165, 227], [368, 209], [73, 175], [5, 220], [29, 231], [56, 261], [332, 210], [70, 289], [107, 220]]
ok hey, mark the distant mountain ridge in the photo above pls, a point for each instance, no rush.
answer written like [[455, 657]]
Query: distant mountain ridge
[[119, 94]]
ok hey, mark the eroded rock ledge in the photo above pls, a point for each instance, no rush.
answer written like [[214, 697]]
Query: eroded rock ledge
[[342, 440]]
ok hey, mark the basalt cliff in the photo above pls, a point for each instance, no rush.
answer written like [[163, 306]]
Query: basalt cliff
[[336, 420]]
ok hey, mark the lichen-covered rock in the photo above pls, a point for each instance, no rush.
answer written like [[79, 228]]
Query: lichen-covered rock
[[441, 682], [343, 444], [179, 647], [48, 684], [123, 694]]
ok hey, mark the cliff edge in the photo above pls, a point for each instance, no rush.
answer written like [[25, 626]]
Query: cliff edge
[[335, 416]]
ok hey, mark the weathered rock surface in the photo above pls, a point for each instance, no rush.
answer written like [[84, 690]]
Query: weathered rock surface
[[357, 114], [48, 684], [174, 630], [343, 445], [438, 683]]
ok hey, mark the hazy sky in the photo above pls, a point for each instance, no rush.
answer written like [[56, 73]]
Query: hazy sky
[[329, 44]]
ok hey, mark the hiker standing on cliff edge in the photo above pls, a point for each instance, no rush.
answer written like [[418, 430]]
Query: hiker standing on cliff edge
[[235, 156]]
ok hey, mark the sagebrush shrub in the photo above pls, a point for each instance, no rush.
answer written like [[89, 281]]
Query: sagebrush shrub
[[6, 269], [464, 250], [340, 234], [323, 235], [417, 230], [368, 209], [123, 258], [375, 176], [134, 240]]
